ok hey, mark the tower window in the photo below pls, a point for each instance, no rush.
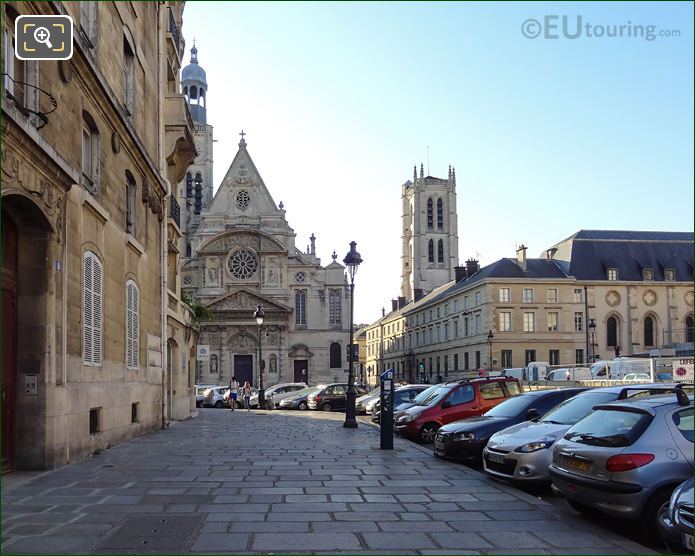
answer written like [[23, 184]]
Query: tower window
[[440, 214], [430, 214], [198, 194], [189, 185], [128, 77], [440, 251], [130, 204], [335, 356], [430, 251]]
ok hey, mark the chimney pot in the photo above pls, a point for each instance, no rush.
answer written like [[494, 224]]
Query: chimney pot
[[401, 302], [394, 304], [417, 292], [460, 273], [521, 256]]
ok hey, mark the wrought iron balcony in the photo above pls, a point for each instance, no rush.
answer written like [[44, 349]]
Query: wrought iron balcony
[[175, 33], [175, 211]]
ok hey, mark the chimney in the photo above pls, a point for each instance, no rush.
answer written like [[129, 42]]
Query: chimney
[[418, 294], [471, 267], [394, 305], [521, 256], [401, 302], [383, 312], [460, 273]]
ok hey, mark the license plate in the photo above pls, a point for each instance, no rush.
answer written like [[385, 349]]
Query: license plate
[[496, 458], [579, 464], [688, 541]]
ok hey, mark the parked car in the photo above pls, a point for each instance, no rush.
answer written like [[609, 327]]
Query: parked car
[[214, 397], [452, 401], [637, 377], [331, 397], [200, 392], [569, 373], [626, 458], [298, 399], [368, 399], [403, 397], [675, 520], [281, 391], [523, 452], [464, 440]]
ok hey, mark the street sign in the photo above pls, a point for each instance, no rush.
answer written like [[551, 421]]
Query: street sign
[[203, 353]]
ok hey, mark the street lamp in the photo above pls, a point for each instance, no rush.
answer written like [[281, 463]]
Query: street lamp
[[352, 260], [592, 330], [259, 315], [490, 336]]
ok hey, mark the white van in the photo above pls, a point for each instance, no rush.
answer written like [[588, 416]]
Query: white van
[[619, 367], [536, 370]]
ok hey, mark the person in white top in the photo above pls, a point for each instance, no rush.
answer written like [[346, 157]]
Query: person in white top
[[233, 392]]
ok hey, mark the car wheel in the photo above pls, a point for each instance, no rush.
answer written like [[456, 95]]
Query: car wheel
[[302, 406], [428, 432], [219, 404], [327, 407], [649, 526], [581, 508]]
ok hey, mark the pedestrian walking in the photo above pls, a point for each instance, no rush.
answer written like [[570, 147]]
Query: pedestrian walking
[[246, 394], [233, 392]]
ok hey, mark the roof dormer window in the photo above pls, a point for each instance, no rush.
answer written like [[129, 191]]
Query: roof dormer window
[[648, 274], [670, 274], [613, 274]]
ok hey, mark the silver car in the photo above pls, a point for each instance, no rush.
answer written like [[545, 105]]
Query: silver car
[[675, 519], [364, 404], [626, 458], [523, 452]]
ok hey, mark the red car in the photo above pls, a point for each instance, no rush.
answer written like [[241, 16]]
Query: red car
[[453, 401]]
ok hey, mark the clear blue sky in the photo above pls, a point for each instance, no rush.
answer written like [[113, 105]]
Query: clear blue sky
[[340, 100]]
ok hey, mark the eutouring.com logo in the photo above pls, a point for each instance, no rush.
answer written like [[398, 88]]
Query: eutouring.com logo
[[574, 27]]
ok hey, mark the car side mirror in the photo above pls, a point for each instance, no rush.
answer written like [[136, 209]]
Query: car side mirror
[[532, 414], [446, 404]]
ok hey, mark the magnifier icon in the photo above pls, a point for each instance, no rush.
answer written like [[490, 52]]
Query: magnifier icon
[[41, 35]]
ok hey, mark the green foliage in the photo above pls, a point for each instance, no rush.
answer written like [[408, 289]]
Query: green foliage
[[200, 311]]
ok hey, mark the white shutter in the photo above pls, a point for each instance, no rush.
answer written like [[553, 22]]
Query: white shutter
[[132, 325], [88, 310], [128, 324], [136, 326], [97, 307]]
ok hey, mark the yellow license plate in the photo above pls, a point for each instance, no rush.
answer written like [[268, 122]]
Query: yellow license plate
[[579, 464]]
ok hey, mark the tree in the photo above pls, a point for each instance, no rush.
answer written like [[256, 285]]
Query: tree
[[200, 311]]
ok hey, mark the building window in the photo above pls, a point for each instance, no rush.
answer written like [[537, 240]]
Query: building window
[[465, 326], [506, 361], [465, 302], [430, 214], [554, 357], [128, 77], [505, 295], [300, 307], [430, 251], [134, 412], [477, 298], [11, 65], [649, 331], [670, 274], [334, 308], [612, 274], [189, 185], [578, 322], [552, 295], [94, 420], [689, 329], [476, 320], [90, 154], [466, 363], [439, 335], [477, 359], [529, 356], [529, 322], [132, 325], [579, 356], [88, 22], [553, 318], [527, 296], [648, 274], [440, 214], [456, 361], [197, 194], [335, 356], [440, 251], [578, 297], [456, 328], [446, 332], [242, 264], [92, 310], [612, 332], [130, 204], [505, 321]]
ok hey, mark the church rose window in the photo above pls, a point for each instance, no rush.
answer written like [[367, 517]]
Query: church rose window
[[242, 264], [243, 199]]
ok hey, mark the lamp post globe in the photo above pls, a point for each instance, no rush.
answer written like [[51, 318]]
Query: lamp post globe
[[352, 260], [259, 315]]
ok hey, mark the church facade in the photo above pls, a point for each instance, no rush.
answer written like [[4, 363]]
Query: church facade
[[241, 253]]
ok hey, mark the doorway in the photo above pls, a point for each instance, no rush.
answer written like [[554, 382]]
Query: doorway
[[301, 371], [243, 368], [9, 338]]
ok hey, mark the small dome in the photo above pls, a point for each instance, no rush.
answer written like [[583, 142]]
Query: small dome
[[193, 72]]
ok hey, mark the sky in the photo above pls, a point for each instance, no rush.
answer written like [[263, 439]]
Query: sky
[[548, 134]]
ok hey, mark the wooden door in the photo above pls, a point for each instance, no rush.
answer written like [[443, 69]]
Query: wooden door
[[9, 338], [243, 369], [301, 371]]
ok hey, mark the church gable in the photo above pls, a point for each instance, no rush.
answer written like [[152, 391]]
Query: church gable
[[244, 301]]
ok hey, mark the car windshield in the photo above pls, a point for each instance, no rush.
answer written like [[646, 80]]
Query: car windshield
[[596, 367], [511, 407], [422, 395], [574, 409], [374, 392], [437, 394], [613, 428], [304, 391]]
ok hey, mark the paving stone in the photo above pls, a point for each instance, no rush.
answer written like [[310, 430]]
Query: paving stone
[[306, 498], [346, 498], [229, 517], [57, 545], [365, 516], [570, 539], [315, 507], [30, 529], [460, 540], [269, 527], [234, 508], [308, 541], [344, 527], [412, 526], [82, 529], [398, 540], [215, 527], [539, 526], [308, 516], [452, 497], [376, 507], [224, 542], [528, 515], [514, 539]]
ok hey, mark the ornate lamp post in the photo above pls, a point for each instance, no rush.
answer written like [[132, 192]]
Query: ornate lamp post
[[592, 330], [259, 315], [490, 337], [352, 260]]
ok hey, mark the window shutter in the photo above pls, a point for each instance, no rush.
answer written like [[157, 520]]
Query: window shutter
[[129, 325], [97, 308], [136, 326], [88, 316], [132, 325]]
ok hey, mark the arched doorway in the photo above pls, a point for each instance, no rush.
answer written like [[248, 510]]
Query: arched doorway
[[649, 331], [612, 332]]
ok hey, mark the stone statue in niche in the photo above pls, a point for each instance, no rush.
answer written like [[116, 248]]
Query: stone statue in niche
[[213, 363], [273, 364]]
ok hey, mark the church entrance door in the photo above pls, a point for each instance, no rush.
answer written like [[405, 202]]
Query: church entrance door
[[243, 368], [301, 371]]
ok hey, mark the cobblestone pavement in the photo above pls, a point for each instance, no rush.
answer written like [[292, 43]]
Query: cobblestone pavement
[[284, 483]]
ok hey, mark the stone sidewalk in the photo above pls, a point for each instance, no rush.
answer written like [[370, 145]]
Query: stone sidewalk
[[285, 483]]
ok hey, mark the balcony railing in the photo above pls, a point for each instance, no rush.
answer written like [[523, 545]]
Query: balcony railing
[[175, 211], [175, 32]]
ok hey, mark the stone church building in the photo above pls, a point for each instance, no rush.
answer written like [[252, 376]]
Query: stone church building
[[241, 253]]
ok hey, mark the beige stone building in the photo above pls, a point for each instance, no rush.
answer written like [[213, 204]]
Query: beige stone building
[[91, 148]]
